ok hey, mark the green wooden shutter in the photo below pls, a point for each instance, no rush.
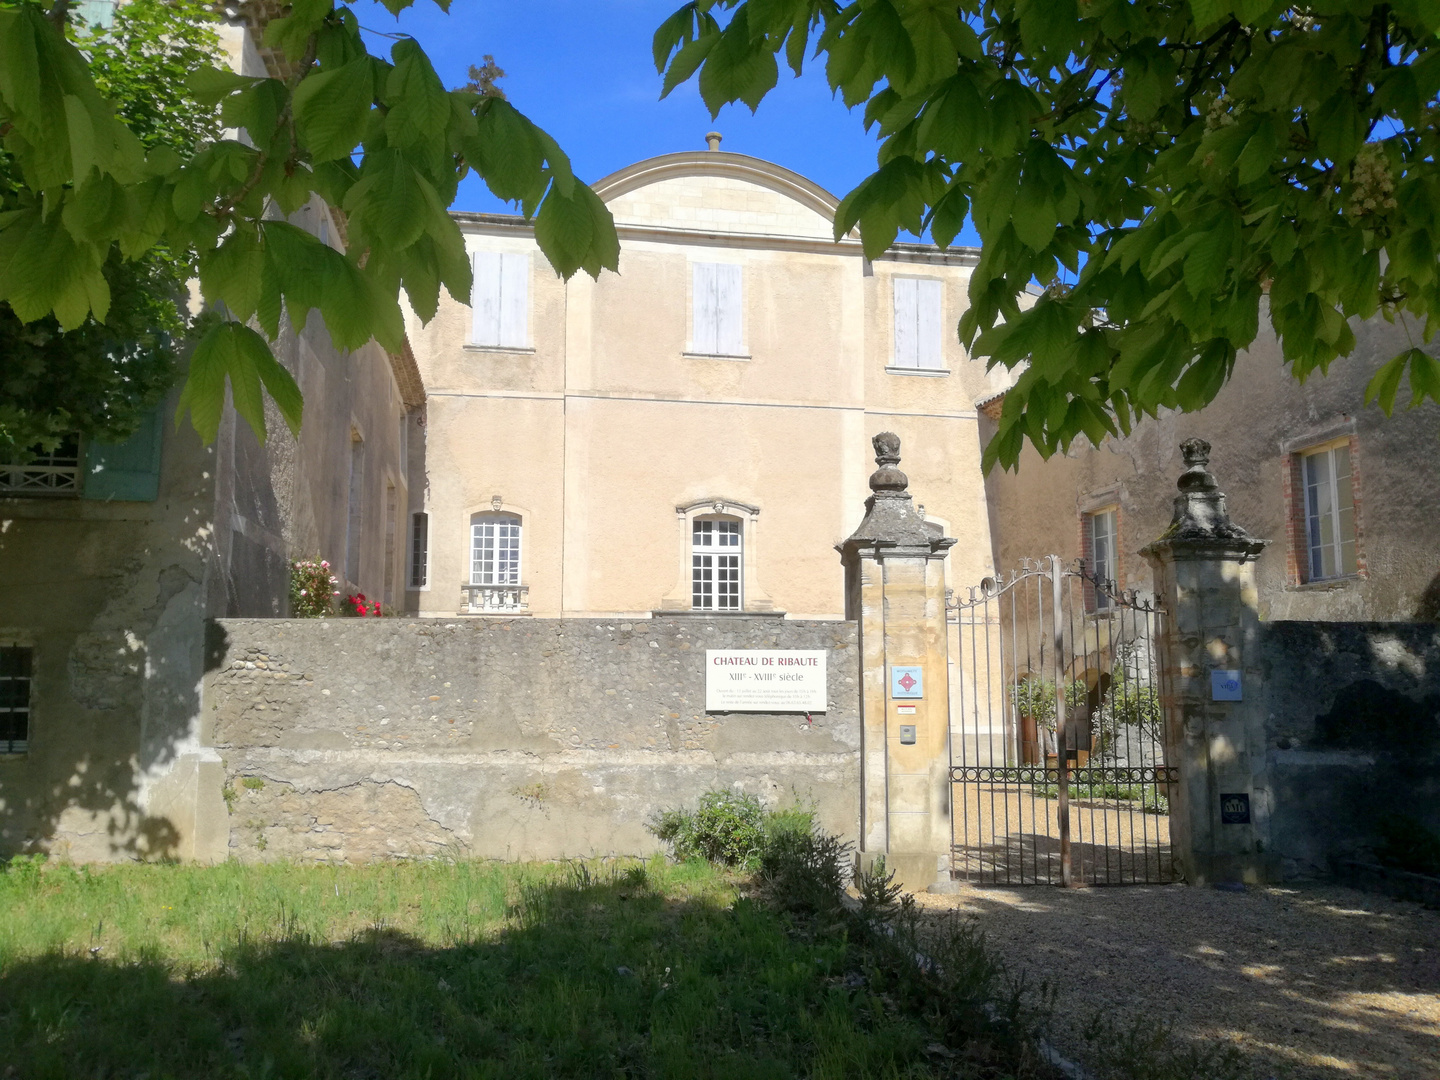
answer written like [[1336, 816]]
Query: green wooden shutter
[[127, 471]]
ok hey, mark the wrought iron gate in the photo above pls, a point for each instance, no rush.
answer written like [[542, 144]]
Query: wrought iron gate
[[1052, 657]]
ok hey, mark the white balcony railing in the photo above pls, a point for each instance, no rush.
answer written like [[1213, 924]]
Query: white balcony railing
[[485, 599]]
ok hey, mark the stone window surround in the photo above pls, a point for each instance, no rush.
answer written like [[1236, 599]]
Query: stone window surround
[[752, 597], [1297, 557]]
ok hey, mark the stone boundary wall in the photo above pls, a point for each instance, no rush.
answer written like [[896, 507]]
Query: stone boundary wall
[[355, 739], [1352, 735]]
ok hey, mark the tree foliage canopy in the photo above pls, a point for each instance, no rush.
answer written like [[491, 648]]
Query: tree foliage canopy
[[1158, 166], [99, 379], [383, 140]]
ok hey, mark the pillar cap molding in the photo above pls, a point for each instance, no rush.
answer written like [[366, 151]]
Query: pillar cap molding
[[1201, 527], [892, 526]]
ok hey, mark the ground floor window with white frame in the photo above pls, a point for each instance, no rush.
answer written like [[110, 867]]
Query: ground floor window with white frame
[[716, 564], [1329, 512], [495, 550], [1103, 562]]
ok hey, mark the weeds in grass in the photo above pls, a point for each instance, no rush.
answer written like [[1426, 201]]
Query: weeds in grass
[[463, 969], [1147, 1049]]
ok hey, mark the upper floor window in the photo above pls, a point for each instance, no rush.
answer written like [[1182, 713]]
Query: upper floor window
[[499, 303], [494, 549], [1329, 512], [717, 307], [918, 304], [716, 563], [14, 699], [54, 472], [1101, 555]]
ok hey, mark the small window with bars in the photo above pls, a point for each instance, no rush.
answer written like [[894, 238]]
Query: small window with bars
[[716, 560], [1329, 513], [14, 699], [52, 472], [495, 550], [419, 550]]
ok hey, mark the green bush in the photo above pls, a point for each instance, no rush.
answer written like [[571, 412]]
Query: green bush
[[804, 872], [728, 828]]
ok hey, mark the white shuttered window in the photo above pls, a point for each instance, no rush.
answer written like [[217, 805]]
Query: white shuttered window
[[717, 304], [917, 323], [499, 302]]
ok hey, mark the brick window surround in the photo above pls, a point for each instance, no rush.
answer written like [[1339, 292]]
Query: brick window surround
[[1297, 542], [1106, 503]]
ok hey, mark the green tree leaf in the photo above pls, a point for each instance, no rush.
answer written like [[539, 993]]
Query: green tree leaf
[[331, 108]]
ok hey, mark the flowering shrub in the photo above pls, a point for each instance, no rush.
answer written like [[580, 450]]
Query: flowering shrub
[[312, 589], [356, 604]]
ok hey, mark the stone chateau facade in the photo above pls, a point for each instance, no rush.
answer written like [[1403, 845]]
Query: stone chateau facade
[[690, 433]]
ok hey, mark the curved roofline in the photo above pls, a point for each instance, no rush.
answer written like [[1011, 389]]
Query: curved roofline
[[718, 163]]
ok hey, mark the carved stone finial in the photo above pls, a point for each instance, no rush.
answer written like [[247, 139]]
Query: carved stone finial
[[1201, 520], [1196, 476], [887, 477], [892, 521]]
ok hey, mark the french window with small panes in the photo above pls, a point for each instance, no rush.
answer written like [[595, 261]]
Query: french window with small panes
[[494, 549], [716, 564]]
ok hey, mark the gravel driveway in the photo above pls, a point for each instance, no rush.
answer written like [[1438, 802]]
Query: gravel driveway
[[1307, 981]]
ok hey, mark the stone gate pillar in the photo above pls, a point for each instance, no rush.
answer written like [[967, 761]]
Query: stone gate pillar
[[1204, 578], [895, 588]]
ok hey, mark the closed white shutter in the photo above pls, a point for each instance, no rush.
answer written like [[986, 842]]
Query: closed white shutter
[[728, 301], [514, 310], [906, 346], [706, 314], [485, 299], [928, 295]]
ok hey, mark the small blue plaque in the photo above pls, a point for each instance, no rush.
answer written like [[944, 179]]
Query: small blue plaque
[[1225, 685], [907, 682]]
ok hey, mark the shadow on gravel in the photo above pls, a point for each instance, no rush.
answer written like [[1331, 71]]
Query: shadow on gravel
[[1305, 982]]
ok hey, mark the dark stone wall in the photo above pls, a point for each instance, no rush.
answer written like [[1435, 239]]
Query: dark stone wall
[[537, 738], [1353, 736]]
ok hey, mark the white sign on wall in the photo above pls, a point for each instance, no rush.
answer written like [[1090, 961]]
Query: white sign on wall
[[765, 680]]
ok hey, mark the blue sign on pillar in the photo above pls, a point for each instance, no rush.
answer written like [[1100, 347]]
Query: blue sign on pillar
[[907, 682]]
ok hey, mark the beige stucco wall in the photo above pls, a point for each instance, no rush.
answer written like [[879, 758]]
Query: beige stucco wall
[[607, 422], [1037, 510]]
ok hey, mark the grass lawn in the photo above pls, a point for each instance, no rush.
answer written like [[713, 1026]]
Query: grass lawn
[[438, 970]]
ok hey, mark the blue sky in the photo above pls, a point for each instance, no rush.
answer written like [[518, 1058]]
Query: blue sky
[[582, 69]]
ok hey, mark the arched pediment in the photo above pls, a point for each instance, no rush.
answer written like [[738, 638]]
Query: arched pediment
[[714, 191]]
